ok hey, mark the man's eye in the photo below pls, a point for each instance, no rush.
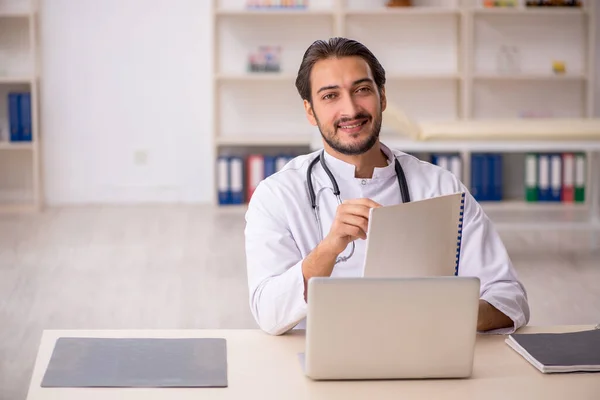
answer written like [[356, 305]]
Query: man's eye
[[364, 89], [328, 96]]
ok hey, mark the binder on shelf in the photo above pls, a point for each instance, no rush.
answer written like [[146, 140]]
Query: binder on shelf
[[25, 115], [495, 162], [487, 177], [236, 183], [580, 178], [477, 177], [531, 177], [14, 117], [281, 161], [544, 178], [442, 161], [270, 167], [568, 178], [456, 166], [256, 173], [223, 180], [555, 177], [19, 114]]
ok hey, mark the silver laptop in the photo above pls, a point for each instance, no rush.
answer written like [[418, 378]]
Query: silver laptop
[[394, 328]]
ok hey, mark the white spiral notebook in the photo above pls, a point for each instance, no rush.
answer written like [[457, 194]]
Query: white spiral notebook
[[416, 239]]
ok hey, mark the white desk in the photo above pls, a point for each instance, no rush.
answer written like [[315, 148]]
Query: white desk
[[266, 367]]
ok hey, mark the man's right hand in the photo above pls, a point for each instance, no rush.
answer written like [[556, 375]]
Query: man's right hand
[[350, 223]]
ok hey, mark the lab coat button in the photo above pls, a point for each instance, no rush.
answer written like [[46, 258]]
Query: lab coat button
[[364, 182]]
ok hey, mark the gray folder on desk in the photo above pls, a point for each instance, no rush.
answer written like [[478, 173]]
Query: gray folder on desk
[[559, 352], [137, 362]]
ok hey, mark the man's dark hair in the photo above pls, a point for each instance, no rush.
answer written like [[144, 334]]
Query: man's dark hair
[[335, 47]]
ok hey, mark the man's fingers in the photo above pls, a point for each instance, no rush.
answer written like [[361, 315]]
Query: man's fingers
[[354, 220], [364, 202], [355, 232], [354, 209]]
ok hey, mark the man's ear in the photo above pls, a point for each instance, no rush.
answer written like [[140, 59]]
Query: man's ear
[[310, 113], [383, 99]]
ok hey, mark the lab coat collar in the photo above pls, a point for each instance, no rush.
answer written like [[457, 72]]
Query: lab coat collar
[[345, 171]]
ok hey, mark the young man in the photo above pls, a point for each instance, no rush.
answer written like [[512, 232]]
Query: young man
[[343, 88]]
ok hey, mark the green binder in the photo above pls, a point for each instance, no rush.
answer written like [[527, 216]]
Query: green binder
[[580, 177], [531, 177]]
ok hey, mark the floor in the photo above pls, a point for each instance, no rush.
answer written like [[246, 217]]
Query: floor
[[183, 267]]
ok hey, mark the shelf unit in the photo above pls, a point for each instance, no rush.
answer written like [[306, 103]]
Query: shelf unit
[[442, 64], [20, 182]]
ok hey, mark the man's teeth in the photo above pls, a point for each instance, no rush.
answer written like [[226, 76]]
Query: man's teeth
[[351, 126]]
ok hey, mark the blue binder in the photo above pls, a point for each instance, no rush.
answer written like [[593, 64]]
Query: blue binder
[[477, 177], [556, 181], [223, 187], [495, 160], [544, 178], [270, 166], [25, 114], [14, 117], [236, 180]]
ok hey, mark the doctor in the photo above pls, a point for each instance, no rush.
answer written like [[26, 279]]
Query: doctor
[[288, 241]]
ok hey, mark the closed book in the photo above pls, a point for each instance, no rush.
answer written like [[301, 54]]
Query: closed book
[[559, 352], [531, 177], [580, 178]]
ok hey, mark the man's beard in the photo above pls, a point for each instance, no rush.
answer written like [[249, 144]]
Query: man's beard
[[332, 139]]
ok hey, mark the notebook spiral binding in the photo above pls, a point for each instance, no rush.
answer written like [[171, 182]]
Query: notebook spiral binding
[[459, 238]]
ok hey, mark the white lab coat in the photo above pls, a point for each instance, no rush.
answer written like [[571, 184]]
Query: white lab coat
[[281, 231]]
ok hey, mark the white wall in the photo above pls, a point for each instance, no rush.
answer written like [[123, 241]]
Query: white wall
[[597, 62], [127, 76], [126, 100]]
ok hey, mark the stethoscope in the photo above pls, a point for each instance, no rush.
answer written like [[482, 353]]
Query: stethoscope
[[336, 191]]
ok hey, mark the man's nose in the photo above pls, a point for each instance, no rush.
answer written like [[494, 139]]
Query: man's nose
[[349, 107]]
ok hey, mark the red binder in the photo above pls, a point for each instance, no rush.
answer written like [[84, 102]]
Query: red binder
[[256, 173], [568, 169]]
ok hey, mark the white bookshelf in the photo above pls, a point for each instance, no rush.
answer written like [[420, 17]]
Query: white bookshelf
[[19, 161], [442, 64]]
